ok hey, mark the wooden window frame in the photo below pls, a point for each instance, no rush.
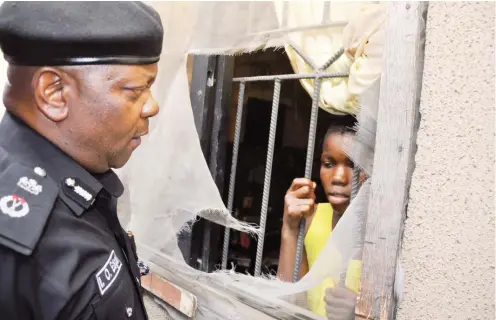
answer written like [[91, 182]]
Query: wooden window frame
[[394, 161]]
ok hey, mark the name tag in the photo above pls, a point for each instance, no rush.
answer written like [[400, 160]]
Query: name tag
[[108, 273]]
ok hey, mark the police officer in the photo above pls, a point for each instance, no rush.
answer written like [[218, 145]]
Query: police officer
[[78, 102]]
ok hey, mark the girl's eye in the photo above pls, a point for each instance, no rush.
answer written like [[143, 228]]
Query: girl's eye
[[328, 164]]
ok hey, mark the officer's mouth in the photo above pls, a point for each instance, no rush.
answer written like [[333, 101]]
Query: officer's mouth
[[136, 141]]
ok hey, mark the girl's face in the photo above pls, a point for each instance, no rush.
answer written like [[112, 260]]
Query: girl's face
[[336, 171]]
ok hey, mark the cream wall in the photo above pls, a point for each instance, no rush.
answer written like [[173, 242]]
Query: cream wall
[[448, 250]]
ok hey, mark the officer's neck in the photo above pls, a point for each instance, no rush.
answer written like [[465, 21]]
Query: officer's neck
[[58, 135]]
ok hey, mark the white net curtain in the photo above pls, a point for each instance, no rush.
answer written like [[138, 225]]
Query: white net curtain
[[167, 180]]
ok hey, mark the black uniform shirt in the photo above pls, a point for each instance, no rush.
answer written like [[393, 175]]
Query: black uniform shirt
[[63, 253]]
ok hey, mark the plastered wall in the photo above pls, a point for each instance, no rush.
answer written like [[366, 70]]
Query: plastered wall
[[449, 246]]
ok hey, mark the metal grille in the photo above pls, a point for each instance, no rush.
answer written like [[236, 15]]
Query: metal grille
[[318, 74]]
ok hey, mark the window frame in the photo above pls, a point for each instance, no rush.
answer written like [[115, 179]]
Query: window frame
[[397, 126]]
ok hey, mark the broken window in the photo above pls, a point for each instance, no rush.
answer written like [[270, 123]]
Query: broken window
[[177, 186]]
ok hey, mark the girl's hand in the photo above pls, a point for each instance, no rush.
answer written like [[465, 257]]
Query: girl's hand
[[299, 202], [340, 303]]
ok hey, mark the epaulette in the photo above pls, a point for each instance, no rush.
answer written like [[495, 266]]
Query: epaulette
[[27, 196]]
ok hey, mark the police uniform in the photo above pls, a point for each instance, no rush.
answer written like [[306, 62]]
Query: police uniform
[[63, 252]]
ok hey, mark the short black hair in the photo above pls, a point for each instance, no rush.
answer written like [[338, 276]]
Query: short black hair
[[345, 124]]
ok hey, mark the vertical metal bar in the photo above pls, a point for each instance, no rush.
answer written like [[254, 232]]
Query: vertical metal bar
[[206, 140], [223, 85], [205, 260], [355, 185], [184, 243], [234, 163], [308, 170], [202, 94], [268, 174], [218, 146], [210, 96]]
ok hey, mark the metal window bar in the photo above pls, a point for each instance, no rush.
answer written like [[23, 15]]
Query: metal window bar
[[355, 186], [234, 164], [318, 75], [268, 173]]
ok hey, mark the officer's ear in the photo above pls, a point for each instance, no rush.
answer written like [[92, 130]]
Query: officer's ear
[[50, 92]]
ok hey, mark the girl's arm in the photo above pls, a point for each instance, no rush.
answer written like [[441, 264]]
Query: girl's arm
[[287, 255], [299, 203]]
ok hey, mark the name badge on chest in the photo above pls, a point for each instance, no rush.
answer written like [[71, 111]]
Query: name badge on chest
[[106, 276]]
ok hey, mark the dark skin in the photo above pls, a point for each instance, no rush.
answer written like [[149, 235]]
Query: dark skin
[[336, 174], [95, 114]]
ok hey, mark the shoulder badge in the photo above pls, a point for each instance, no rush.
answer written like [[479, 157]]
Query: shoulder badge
[[27, 196], [78, 191], [106, 276]]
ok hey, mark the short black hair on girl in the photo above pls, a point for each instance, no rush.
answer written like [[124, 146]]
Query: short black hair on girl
[[344, 124]]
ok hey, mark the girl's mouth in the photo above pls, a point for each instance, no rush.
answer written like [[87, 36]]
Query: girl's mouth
[[338, 198]]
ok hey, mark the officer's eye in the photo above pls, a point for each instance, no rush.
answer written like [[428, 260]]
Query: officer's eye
[[137, 90], [135, 93]]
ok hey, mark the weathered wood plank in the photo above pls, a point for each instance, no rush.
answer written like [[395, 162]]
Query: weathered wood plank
[[209, 298], [177, 297], [397, 124], [214, 297]]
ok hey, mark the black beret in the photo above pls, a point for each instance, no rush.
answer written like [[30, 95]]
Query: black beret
[[79, 33]]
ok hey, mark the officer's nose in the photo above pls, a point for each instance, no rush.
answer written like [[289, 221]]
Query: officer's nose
[[150, 109]]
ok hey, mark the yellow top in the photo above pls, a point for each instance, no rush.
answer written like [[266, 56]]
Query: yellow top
[[318, 233]]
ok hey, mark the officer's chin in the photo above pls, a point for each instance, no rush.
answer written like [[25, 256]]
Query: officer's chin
[[120, 161]]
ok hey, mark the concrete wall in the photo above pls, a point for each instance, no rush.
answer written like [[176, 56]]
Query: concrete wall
[[448, 250]]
